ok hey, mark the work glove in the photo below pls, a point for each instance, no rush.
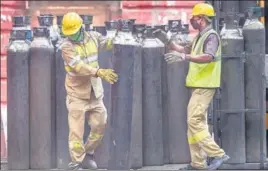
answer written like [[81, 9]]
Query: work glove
[[174, 56], [162, 35], [108, 75]]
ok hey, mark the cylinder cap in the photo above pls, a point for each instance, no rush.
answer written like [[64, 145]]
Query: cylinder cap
[[125, 25], [149, 32], [111, 25], [40, 32], [45, 20], [185, 28], [21, 21], [174, 25], [139, 28], [132, 20], [87, 19]]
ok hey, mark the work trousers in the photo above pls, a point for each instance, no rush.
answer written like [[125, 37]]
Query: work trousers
[[200, 141], [97, 120]]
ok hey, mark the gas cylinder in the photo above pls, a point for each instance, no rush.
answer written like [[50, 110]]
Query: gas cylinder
[[62, 128], [126, 115], [100, 29], [232, 104], [18, 100], [23, 23], [152, 53], [177, 99], [105, 61], [254, 35], [87, 21], [42, 101]]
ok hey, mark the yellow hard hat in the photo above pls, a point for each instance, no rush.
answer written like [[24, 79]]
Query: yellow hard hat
[[71, 23], [203, 9]]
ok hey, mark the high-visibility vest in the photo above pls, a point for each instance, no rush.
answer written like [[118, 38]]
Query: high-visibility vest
[[87, 52], [205, 75]]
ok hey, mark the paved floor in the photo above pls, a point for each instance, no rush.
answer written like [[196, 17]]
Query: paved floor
[[248, 166]]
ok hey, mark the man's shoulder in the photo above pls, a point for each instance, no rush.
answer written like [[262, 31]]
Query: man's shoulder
[[92, 33], [66, 43]]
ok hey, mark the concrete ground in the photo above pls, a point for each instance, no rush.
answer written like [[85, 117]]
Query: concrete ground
[[247, 166]]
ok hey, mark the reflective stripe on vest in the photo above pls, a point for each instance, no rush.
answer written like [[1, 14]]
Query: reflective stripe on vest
[[206, 75]]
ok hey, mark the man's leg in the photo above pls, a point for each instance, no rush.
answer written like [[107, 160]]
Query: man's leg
[[197, 124], [97, 121], [76, 119], [198, 159]]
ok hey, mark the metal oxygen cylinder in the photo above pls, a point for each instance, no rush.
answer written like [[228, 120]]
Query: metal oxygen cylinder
[[42, 101], [254, 35], [177, 100], [152, 53], [18, 99], [23, 23], [102, 153], [232, 104], [62, 127], [87, 21], [126, 116]]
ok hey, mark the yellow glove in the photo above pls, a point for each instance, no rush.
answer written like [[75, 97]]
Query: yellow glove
[[108, 75]]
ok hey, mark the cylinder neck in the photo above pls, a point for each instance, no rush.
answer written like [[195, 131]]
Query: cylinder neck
[[18, 35], [45, 20], [41, 32], [231, 21]]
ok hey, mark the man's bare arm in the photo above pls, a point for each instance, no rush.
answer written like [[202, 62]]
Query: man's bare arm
[[204, 58]]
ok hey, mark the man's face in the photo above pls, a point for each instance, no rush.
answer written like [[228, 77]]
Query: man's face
[[196, 22]]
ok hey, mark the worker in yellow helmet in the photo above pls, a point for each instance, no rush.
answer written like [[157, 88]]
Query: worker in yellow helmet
[[203, 79], [84, 88]]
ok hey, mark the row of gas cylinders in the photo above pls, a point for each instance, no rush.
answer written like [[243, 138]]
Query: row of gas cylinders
[[147, 107], [46, 20]]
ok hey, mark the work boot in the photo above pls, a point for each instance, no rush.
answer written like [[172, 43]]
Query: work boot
[[89, 162], [74, 166], [217, 162], [190, 167]]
